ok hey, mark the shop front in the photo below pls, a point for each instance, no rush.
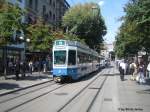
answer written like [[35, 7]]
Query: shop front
[[8, 55]]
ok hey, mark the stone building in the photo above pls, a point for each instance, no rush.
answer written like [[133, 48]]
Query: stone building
[[107, 49], [9, 53], [50, 10]]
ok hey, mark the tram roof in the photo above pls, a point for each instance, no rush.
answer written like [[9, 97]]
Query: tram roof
[[73, 43]]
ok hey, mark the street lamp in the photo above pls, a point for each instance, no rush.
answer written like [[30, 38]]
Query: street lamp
[[22, 38]]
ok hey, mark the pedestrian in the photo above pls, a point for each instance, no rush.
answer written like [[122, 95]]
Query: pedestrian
[[122, 69], [141, 73], [133, 70], [10, 66], [22, 68], [148, 69], [44, 66], [17, 68], [30, 67]]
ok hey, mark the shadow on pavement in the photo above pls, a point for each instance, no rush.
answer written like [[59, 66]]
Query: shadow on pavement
[[29, 77], [146, 91], [8, 86], [147, 82]]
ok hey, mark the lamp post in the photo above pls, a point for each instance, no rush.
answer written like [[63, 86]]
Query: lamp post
[[94, 9]]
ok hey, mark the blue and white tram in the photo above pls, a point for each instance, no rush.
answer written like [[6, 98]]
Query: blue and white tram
[[72, 60]]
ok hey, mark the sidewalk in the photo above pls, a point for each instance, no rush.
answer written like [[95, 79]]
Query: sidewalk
[[133, 96], [11, 84], [124, 96]]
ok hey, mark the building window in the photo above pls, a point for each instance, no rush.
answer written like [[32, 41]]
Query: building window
[[50, 14], [50, 2], [44, 10], [54, 4], [36, 5], [30, 3], [53, 17]]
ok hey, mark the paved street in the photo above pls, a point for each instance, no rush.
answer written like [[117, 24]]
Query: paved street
[[99, 92], [11, 84]]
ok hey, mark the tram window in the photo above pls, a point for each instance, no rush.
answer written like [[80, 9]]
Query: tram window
[[72, 57], [59, 57]]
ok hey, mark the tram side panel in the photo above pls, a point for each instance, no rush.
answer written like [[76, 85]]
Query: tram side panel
[[84, 63]]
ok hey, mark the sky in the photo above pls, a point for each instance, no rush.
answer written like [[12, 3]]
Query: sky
[[111, 10]]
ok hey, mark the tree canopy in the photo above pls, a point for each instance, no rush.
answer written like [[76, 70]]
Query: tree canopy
[[134, 32], [10, 20], [86, 22]]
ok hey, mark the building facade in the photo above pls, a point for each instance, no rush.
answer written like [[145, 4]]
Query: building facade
[[51, 11], [107, 49], [9, 53]]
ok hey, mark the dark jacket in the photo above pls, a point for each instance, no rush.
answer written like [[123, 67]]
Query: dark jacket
[[17, 66]]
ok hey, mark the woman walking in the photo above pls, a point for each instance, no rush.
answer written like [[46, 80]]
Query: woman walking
[[141, 73]]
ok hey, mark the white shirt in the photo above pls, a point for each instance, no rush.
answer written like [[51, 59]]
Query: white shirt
[[148, 67], [123, 65]]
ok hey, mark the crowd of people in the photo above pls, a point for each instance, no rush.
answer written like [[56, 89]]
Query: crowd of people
[[139, 71], [21, 67]]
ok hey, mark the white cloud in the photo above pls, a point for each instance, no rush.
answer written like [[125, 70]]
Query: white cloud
[[101, 3]]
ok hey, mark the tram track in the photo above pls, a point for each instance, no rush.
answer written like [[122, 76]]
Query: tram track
[[94, 99], [22, 89], [26, 93], [28, 100], [97, 93], [88, 109], [34, 98], [81, 91]]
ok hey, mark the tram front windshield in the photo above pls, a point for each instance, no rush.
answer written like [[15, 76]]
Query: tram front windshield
[[60, 57]]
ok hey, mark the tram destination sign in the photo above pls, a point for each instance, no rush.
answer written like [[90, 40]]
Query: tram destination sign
[[60, 42]]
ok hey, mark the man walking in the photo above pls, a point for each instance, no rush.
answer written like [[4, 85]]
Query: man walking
[[17, 68], [122, 70], [22, 68]]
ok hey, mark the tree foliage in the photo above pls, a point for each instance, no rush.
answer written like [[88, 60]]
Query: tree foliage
[[134, 32], [40, 36], [10, 20], [86, 22]]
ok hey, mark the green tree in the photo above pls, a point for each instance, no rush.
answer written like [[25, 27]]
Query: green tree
[[10, 20], [86, 22], [40, 35], [134, 31]]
